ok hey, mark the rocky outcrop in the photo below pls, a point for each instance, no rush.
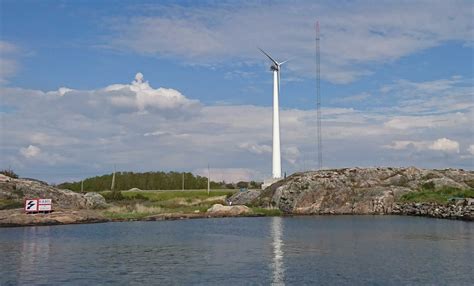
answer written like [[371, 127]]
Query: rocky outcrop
[[355, 190], [221, 210], [10, 218], [242, 198], [462, 209], [95, 201], [19, 189]]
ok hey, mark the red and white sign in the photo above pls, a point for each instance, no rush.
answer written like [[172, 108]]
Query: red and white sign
[[31, 205], [38, 205], [45, 201], [44, 208]]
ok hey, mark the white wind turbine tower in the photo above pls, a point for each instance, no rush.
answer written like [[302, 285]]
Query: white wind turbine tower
[[276, 162]]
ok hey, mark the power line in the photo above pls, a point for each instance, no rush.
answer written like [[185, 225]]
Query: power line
[[318, 101]]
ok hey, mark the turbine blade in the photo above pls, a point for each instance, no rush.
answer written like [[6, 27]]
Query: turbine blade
[[275, 62], [283, 62]]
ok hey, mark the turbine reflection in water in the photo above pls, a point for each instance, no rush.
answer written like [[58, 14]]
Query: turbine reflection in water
[[277, 244]]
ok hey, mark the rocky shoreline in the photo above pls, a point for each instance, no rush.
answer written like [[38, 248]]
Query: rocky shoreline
[[350, 191], [20, 219], [461, 210], [17, 217]]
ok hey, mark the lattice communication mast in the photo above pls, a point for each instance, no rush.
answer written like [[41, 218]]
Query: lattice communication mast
[[318, 101]]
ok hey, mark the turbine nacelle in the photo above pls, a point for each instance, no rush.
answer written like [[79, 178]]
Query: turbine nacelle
[[276, 65]]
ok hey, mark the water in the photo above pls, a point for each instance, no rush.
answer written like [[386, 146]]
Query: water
[[326, 250]]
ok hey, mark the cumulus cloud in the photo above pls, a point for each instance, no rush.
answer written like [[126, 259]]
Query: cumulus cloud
[[446, 145], [256, 148], [377, 32], [30, 151], [139, 94], [441, 144], [470, 149], [291, 154], [83, 132]]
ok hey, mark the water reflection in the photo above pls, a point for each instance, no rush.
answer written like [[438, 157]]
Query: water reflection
[[277, 243], [35, 251]]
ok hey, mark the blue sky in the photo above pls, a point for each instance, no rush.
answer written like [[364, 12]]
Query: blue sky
[[397, 85]]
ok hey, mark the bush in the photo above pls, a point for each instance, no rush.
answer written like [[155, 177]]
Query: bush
[[9, 173], [428, 186], [440, 196], [113, 196], [138, 197]]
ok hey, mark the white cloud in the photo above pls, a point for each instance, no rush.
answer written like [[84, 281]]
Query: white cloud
[[436, 96], [30, 151], [255, 148], [441, 144], [291, 154], [428, 121], [371, 32], [353, 98], [471, 149], [229, 175], [83, 132], [139, 94], [446, 145]]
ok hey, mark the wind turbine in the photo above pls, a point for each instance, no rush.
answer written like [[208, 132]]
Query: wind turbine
[[276, 162]]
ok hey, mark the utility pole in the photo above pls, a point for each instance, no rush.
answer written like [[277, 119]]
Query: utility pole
[[112, 187], [82, 186], [318, 101], [183, 181], [208, 180]]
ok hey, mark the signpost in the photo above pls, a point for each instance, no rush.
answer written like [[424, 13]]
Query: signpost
[[38, 205]]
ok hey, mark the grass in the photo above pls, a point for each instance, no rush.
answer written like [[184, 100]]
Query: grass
[[440, 196], [6, 204], [166, 195], [267, 212], [132, 211], [139, 204]]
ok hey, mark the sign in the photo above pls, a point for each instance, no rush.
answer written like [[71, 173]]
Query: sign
[[44, 201], [38, 205], [44, 208], [31, 205]]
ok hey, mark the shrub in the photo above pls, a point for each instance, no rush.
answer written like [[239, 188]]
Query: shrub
[[113, 196], [9, 173], [138, 197], [439, 196], [428, 186]]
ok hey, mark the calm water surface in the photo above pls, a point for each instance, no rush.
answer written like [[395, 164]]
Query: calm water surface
[[326, 250]]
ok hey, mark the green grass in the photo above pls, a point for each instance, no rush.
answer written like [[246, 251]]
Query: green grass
[[6, 204], [167, 195], [267, 212], [188, 194], [441, 196], [139, 204]]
